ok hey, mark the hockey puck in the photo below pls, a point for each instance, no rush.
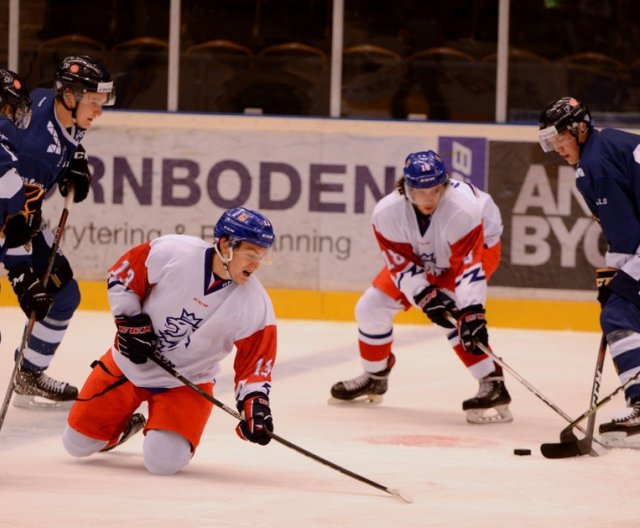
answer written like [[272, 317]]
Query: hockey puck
[[522, 452]]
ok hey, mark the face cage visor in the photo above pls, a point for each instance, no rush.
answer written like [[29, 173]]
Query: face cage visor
[[21, 114], [550, 139]]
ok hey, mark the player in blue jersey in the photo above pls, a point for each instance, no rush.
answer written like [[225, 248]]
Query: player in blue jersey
[[607, 164], [15, 113], [18, 213], [50, 154]]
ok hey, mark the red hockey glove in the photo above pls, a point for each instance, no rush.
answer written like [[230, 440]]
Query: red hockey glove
[[436, 305], [258, 422], [472, 328], [135, 338]]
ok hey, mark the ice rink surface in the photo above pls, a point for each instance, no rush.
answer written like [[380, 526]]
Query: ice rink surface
[[417, 440]]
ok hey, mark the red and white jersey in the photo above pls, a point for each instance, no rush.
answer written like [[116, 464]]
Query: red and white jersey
[[449, 253], [197, 317]]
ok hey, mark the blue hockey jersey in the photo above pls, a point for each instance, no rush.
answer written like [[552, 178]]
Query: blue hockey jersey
[[46, 147], [608, 177], [11, 190]]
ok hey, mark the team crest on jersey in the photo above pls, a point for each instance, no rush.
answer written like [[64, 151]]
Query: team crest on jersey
[[177, 329], [54, 147]]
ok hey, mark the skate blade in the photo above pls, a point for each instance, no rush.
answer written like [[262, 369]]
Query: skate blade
[[362, 401], [620, 439], [29, 401], [502, 414]]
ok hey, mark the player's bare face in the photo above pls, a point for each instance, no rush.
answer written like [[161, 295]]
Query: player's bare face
[[426, 200], [89, 108], [246, 260], [567, 146]]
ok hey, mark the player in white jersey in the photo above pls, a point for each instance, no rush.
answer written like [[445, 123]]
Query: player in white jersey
[[189, 303], [440, 239]]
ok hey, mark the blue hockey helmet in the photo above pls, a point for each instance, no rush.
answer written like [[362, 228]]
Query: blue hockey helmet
[[241, 224], [566, 113], [424, 169], [15, 102]]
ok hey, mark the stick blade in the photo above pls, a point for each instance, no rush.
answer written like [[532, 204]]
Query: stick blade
[[401, 495], [560, 450]]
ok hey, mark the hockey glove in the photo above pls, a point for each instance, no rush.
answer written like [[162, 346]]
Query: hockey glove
[[472, 328], [24, 225], [76, 176], [603, 278], [436, 305], [30, 291], [135, 337], [258, 422]]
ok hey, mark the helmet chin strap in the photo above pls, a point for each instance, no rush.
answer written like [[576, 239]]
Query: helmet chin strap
[[225, 260]]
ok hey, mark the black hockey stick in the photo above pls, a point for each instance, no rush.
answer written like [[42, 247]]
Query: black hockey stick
[[168, 368], [28, 329], [523, 381], [569, 445], [567, 432]]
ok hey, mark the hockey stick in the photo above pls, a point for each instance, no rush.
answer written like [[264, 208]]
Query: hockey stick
[[168, 368], [523, 381], [569, 445], [28, 329], [567, 433]]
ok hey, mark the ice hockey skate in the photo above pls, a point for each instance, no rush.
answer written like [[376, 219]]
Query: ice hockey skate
[[36, 390], [623, 431], [492, 395], [136, 423], [367, 387]]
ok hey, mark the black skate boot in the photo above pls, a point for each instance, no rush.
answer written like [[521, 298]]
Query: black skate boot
[[623, 431], [37, 390], [371, 385], [136, 423], [492, 394]]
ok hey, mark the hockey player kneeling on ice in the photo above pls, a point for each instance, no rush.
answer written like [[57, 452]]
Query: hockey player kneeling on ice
[[440, 239], [607, 174], [189, 303]]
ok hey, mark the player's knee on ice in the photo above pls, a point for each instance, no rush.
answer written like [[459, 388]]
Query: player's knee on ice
[[79, 445], [165, 452]]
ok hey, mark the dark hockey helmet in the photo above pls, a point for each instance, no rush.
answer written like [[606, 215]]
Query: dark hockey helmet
[[82, 74], [15, 102], [559, 115], [424, 169], [242, 224]]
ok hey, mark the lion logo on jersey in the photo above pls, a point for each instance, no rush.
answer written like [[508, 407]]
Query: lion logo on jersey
[[177, 329]]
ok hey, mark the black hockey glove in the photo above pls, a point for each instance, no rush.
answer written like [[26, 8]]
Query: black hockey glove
[[135, 338], [436, 305], [258, 422], [24, 225], [472, 328], [76, 175], [30, 291], [603, 278]]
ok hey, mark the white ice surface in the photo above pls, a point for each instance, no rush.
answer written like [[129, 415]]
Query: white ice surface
[[417, 440]]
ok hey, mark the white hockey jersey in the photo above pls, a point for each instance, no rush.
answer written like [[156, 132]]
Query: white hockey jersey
[[449, 253], [197, 317]]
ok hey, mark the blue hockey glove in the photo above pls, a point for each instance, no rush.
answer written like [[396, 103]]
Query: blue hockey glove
[[472, 328], [24, 225], [135, 338], [30, 291], [436, 305], [603, 278], [76, 175], [258, 422]]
